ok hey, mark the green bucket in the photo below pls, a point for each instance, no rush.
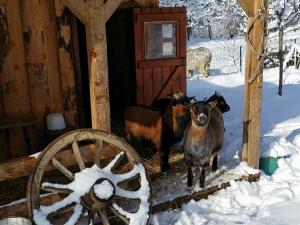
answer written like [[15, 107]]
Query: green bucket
[[268, 165]]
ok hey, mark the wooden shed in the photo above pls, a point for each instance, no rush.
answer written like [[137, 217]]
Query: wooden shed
[[86, 59]]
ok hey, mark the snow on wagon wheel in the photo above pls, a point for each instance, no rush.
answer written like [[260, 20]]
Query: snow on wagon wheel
[[106, 191]]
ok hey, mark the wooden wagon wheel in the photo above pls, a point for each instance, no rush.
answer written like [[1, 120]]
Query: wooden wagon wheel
[[97, 192]]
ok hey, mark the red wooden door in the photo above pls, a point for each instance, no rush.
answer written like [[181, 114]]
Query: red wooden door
[[160, 52]]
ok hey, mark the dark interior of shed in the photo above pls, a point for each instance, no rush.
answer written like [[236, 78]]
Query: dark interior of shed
[[121, 65]]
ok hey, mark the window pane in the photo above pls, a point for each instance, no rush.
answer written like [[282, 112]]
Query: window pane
[[160, 40]]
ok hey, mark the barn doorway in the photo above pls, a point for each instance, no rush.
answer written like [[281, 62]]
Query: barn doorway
[[121, 65], [81, 72]]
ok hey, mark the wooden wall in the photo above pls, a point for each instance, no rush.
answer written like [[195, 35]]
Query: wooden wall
[[36, 67], [148, 3]]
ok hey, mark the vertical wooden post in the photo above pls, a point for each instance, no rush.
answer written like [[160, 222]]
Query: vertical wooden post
[[99, 87], [253, 81], [280, 59]]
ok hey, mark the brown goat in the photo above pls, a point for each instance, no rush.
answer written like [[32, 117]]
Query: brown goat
[[203, 138], [162, 129]]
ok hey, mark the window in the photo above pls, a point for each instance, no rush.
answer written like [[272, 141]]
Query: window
[[160, 40]]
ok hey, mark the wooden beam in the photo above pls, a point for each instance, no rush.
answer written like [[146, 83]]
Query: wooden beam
[[198, 195], [110, 7], [253, 88], [23, 166], [19, 208], [99, 89], [247, 6], [78, 8]]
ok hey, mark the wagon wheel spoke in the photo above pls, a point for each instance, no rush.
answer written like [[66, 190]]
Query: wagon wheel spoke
[[58, 206], [78, 212], [97, 159], [91, 217], [78, 156], [103, 216], [62, 169], [120, 192], [115, 162], [126, 180], [121, 216], [56, 190], [61, 211], [124, 177]]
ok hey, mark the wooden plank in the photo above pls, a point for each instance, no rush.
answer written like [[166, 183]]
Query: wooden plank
[[148, 89], [182, 36], [79, 8], [15, 92], [162, 62], [167, 87], [6, 123], [156, 81], [197, 196], [16, 100], [139, 86], [253, 96], [100, 108], [51, 54], [183, 79], [157, 17], [138, 57], [247, 6], [33, 29], [246, 99], [19, 209], [66, 65]]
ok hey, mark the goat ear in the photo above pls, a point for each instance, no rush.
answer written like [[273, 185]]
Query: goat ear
[[190, 99], [212, 104]]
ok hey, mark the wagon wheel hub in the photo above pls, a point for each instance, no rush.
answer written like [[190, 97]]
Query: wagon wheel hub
[[100, 195]]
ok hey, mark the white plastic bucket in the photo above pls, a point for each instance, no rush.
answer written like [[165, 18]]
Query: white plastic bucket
[[55, 121], [15, 221]]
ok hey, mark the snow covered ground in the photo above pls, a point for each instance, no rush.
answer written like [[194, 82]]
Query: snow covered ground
[[274, 199]]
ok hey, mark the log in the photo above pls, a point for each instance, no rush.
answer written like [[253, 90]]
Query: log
[[99, 93], [19, 208], [66, 65], [253, 88], [197, 196], [23, 166]]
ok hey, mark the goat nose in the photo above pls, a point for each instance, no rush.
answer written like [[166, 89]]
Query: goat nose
[[201, 116]]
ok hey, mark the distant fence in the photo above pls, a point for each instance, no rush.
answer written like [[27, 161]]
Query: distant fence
[[227, 55]]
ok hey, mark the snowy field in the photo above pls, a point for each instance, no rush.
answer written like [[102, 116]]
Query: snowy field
[[274, 199]]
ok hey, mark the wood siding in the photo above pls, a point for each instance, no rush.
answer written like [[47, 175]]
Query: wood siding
[[156, 78], [37, 69]]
